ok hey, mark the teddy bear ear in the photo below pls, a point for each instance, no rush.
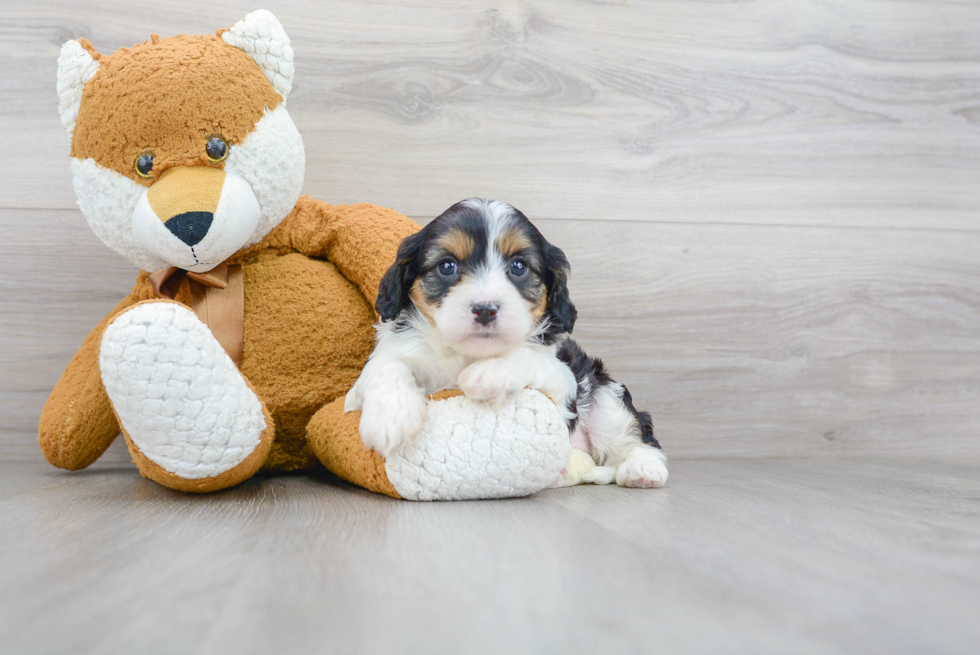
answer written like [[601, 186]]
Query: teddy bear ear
[[76, 66], [261, 36]]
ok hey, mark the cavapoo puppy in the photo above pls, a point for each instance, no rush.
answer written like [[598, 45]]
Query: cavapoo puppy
[[477, 301]]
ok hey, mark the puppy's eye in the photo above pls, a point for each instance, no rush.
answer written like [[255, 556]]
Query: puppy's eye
[[447, 268], [518, 268], [217, 148], [143, 165]]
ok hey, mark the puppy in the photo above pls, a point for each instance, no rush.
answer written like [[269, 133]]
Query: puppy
[[477, 301]]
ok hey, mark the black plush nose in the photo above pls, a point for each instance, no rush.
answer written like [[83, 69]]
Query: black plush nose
[[190, 227], [485, 312]]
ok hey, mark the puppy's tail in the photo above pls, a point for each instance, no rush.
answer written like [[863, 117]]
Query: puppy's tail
[[600, 475]]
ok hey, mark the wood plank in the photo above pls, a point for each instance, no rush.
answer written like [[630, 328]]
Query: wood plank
[[863, 113], [742, 340], [763, 556]]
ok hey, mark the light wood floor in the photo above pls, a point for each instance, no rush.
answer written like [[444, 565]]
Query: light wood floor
[[743, 556], [772, 211]]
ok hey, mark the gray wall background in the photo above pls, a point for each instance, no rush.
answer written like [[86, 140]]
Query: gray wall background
[[771, 207]]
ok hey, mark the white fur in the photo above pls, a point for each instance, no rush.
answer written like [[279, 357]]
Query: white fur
[[612, 435], [393, 411], [177, 393], [404, 367], [262, 37], [270, 160], [469, 450], [108, 200], [498, 379], [454, 316], [645, 468], [75, 67], [235, 219]]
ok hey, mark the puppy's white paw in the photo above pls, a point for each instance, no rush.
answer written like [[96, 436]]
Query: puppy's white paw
[[645, 468], [390, 419], [494, 380]]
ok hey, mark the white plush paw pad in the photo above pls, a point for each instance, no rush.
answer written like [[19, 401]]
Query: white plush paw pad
[[645, 468], [469, 450], [178, 394]]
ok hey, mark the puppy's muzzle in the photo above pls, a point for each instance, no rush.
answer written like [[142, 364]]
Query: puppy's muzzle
[[485, 313]]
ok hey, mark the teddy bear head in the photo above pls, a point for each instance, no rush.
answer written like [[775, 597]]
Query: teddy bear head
[[182, 150]]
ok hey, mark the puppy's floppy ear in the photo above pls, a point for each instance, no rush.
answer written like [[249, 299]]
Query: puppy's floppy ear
[[561, 313], [396, 285]]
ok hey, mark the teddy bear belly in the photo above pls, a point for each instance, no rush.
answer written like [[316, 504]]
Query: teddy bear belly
[[308, 333]]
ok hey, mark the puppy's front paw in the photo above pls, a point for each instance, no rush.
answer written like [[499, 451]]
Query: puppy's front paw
[[493, 380], [388, 420], [645, 468]]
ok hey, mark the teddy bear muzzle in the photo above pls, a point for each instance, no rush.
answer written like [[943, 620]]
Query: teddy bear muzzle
[[195, 217]]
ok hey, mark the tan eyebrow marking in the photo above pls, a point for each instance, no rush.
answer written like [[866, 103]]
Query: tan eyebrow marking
[[457, 243], [512, 241]]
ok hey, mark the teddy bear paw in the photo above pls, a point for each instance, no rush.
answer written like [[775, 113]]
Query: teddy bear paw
[[178, 395]]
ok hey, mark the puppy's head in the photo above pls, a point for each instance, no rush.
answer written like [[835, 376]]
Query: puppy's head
[[484, 277]]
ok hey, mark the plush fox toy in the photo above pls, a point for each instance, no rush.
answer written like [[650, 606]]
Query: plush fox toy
[[253, 311]]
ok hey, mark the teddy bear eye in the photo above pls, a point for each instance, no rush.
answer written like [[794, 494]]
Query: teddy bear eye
[[217, 148], [144, 165]]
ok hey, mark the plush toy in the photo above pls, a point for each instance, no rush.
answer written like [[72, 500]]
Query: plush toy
[[253, 311]]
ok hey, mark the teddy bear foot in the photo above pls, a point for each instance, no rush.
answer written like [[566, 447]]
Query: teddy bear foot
[[190, 419]]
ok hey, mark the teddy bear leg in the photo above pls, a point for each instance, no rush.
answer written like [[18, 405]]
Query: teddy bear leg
[[191, 420]]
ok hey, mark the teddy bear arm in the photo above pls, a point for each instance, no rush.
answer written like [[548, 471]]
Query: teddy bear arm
[[78, 423], [360, 240]]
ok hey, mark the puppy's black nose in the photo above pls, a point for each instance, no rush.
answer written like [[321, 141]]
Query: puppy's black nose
[[485, 313], [190, 227]]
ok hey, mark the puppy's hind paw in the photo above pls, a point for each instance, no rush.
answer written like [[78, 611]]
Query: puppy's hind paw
[[645, 468]]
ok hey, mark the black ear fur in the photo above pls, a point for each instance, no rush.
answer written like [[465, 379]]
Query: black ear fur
[[561, 313], [393, 292]]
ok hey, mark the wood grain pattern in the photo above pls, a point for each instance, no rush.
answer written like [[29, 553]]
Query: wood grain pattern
[[742, 340], [750, 556], [813, 113], [771, 210]]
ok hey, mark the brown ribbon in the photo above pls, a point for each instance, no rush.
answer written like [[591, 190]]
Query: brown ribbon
[[217, 297]]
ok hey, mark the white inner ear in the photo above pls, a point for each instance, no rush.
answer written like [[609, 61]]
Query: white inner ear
[[261, 36], [75, 67]]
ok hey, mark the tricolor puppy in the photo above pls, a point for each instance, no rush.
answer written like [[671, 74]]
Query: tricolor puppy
[[477, 301]]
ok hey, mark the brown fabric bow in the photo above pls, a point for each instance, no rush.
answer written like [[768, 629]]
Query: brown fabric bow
[[217, 297]]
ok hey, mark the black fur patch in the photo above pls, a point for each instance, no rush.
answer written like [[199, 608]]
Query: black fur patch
[[591, 375]]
